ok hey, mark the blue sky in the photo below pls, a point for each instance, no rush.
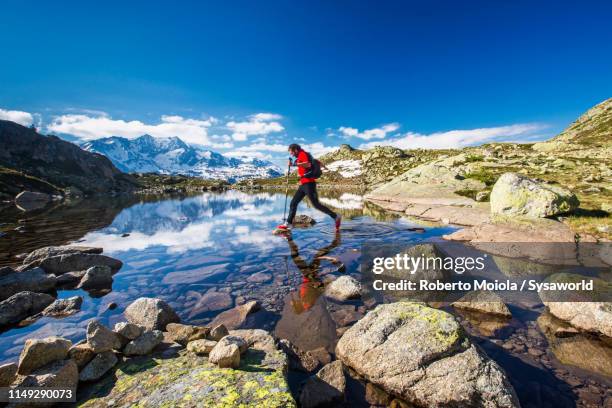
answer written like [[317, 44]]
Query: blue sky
[[253, 76]]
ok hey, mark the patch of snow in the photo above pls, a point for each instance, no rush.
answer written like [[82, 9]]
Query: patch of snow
[[346, 168]]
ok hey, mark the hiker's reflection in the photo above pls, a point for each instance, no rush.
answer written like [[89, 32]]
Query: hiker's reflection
[[311, 285]]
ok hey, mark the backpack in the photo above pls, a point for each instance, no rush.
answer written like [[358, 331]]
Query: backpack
[[315, 168]]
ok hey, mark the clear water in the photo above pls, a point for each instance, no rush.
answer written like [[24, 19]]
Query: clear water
[[180, 249], [207, 253]]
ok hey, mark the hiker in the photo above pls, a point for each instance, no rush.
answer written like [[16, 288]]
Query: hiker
[[308, 186]]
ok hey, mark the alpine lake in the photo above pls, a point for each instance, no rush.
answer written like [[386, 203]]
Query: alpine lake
[[209, 252]]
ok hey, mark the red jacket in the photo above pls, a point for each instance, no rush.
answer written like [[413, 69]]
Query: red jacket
[[303, 158]]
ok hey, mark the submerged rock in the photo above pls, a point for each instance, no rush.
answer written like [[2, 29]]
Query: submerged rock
[[78, 261], [579, 350], [64, 307], [22, 305], [422, 355], [483, 302], [35, 257], [592, 316], [33, 280], [39, 352], [235, 318], [324, 388], [211, 301], [343, 288], [515, 194], [151, 313]]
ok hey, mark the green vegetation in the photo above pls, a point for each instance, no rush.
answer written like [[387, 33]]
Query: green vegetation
[[486, 176]]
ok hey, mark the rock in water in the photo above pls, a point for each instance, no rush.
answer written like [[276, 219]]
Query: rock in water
[[185, 333], [144, 344], [303, 221], [60, 264], [324, 388], [422, 355], [128, 330], [8, 373], [64, 307], [587, 316], [37, 353], [101, 338], [99, 366], [22, 305], [515, 194], [35, 257], [590, 312], [31, 200], [33, 280], [343, 288], [483, 302], [151, 313], [235, 318], [96, 277]]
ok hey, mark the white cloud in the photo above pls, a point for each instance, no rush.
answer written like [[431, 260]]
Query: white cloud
[[23, 118], [256, 125], [460, 138], [369, 134], [94, 127], [262, 150], [264, 117]]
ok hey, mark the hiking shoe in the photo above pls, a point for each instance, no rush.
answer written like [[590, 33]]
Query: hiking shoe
[[284, 227], [338, 221]]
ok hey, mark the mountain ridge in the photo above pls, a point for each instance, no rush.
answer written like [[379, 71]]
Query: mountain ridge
[[148, 154], [37, 159]]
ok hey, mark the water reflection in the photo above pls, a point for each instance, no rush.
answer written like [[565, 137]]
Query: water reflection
[[200, 254], [305, 320]]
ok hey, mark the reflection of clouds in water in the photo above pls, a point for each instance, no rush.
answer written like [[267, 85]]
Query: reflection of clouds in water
[[194, 223], [346, 201], [193, 236]]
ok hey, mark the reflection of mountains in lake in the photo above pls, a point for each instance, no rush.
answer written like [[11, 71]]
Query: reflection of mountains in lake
[[175, 215]]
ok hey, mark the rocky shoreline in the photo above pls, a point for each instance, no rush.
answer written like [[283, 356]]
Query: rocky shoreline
[[403, 353]]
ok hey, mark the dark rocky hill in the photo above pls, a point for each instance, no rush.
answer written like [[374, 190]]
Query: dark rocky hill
[[27, 155]]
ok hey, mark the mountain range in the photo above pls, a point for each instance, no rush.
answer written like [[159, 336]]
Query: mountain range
[[148, 154]]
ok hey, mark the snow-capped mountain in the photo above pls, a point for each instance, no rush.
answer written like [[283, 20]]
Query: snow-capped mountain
[[148, 154]]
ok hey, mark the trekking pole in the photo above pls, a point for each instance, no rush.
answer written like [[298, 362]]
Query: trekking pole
[[286, 192]]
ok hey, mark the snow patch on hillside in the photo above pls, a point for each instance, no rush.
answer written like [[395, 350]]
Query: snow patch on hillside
[[346, 168]]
